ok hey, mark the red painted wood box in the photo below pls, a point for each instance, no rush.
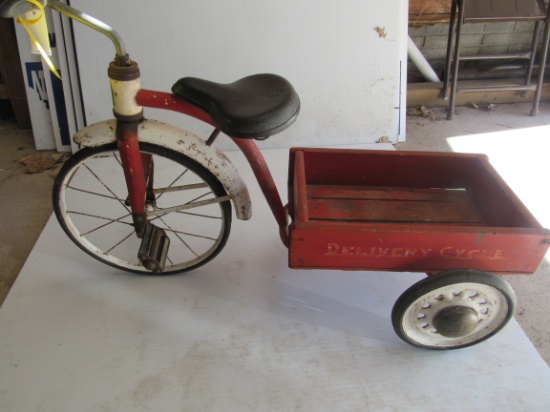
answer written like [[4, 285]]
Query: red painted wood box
[[407, 211]]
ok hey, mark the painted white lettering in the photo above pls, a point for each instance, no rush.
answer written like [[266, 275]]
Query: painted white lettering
[[332, 249]]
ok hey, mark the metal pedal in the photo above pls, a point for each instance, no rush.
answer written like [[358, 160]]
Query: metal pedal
[[154, 248]]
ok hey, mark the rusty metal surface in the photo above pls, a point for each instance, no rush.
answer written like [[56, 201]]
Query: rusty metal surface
[[267, 184], [179, 140]]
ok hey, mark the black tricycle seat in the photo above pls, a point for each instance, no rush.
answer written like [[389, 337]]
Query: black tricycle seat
[[254, 107]]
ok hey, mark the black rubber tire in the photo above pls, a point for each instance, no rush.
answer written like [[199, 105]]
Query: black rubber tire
[[419, 335], [162, 154]]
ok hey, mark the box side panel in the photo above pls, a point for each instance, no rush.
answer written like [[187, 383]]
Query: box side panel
[[496, 201], [388, 168], [437, 249]]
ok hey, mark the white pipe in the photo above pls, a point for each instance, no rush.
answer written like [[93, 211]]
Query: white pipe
[[421, 63]]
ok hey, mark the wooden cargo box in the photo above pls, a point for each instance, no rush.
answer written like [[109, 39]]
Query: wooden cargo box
[[407, 211]]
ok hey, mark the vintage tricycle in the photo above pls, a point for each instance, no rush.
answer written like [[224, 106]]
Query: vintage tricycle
[[148, 197]]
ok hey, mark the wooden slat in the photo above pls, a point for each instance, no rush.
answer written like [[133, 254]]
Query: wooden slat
[[300, 190], [429, 94], [421, 211], [429, 11], [389, 193]]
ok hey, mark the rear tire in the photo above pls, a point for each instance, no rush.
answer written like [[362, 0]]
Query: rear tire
[[453, 310], [89, 198]]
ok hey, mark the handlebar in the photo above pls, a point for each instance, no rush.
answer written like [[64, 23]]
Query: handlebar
[[91, 22], [13, 8]]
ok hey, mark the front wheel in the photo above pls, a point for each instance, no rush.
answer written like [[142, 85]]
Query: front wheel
[[453, 310], [185, 200]]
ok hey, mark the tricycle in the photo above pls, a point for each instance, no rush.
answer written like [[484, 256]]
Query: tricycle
[[148, 197]]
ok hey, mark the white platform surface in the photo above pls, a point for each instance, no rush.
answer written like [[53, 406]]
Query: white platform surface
[[243, 333]]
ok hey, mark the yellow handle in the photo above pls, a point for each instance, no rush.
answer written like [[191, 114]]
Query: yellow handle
[[20, 20], [26, 22]]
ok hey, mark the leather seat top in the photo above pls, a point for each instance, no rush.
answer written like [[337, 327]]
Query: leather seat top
[[253, 107]]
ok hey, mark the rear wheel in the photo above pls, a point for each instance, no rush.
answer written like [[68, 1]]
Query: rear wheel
[[189, 204], [453, 310]]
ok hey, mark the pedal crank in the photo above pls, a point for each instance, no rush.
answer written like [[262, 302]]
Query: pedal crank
[[154, 248]]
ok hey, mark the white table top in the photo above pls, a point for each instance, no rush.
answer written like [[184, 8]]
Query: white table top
[[242, 333]]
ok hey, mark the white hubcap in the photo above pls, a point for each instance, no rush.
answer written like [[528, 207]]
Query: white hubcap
[[464, 312]]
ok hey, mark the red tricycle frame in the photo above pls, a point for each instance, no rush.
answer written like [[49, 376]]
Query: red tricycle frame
[[379, 210], [347, 209]]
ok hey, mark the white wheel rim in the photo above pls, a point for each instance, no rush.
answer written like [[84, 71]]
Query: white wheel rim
[[489, 304], [133, 265]]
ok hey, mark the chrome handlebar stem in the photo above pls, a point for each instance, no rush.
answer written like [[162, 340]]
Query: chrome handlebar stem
[[91, 22]]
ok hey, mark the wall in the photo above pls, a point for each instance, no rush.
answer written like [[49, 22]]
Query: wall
[[350, 77]]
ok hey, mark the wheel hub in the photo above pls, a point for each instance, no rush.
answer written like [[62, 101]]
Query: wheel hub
[[455, 321]]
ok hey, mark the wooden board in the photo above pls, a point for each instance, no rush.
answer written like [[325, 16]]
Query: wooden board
[[407, 211], [429, 94], [429, 11], [404, 205]]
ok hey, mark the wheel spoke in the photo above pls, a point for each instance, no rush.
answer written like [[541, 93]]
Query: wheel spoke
[[106, 187], [166, 189], [200, 197], [89, 192], [179, 232], [110, 220], [179, 237], [193, 208], [107, 224], [198, 215], [186, 206], [121, 241], [181, 188]]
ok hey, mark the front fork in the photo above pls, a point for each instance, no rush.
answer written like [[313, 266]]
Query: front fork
[[139, 174], [138, 169]]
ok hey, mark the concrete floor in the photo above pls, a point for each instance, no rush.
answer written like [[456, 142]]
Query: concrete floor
[[25, 199]]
